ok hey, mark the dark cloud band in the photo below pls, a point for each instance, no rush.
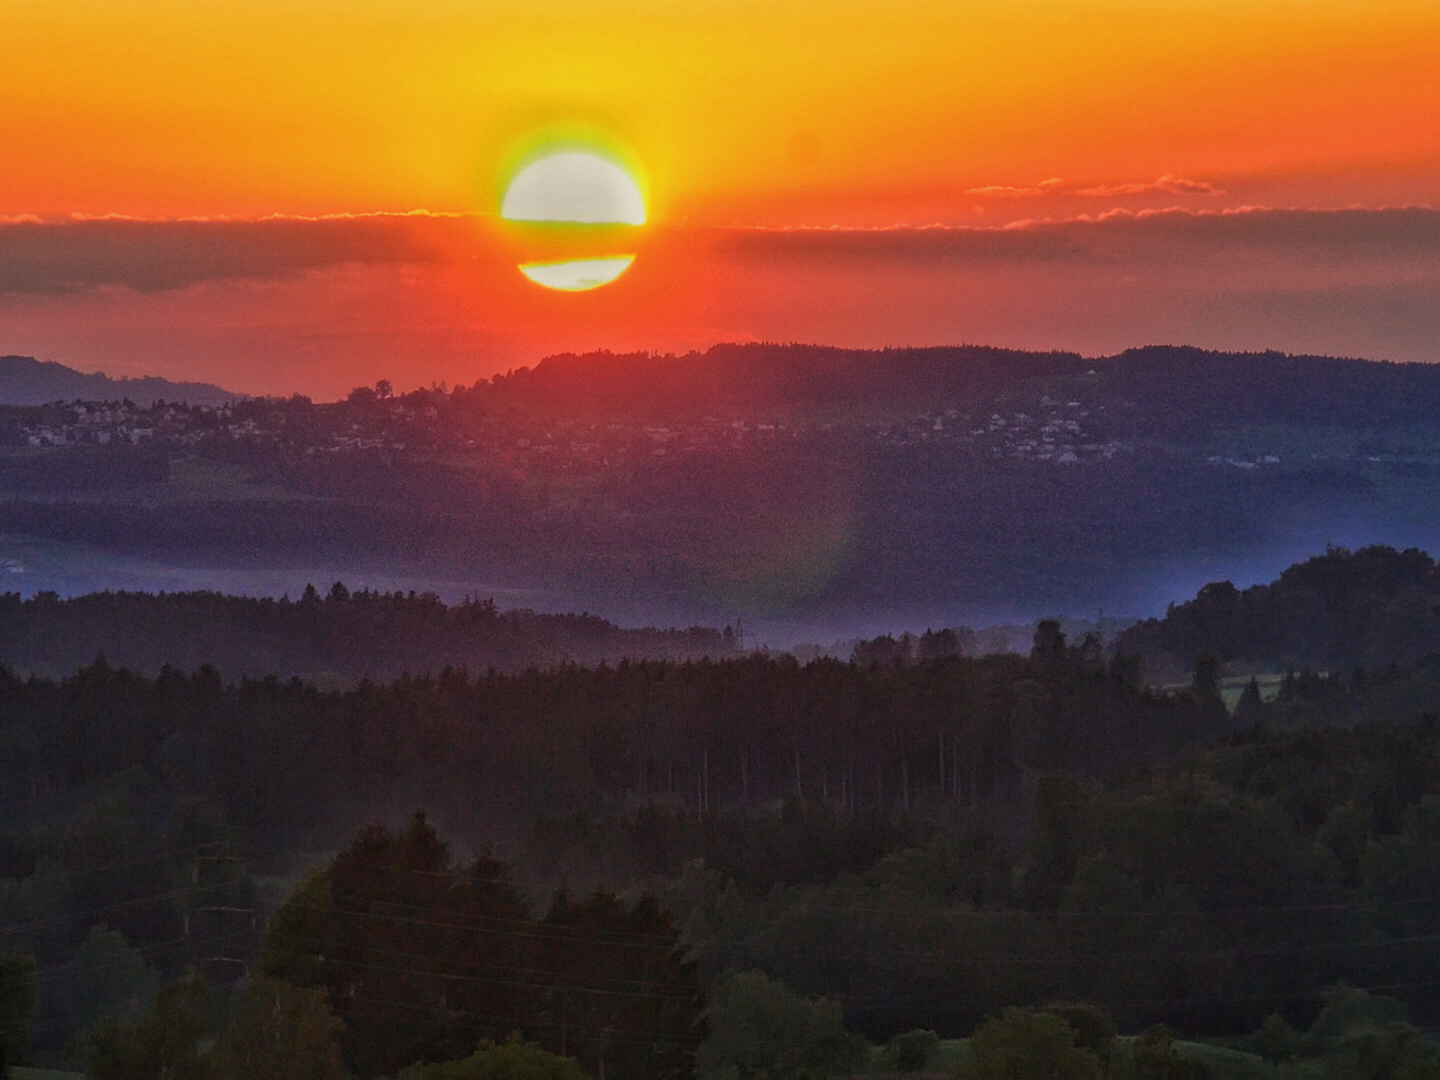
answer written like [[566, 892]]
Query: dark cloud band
[[1403, 234], [151, 256]]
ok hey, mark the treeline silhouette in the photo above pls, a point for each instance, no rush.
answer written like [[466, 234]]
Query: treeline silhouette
[[1177, 389], [284, 758], [1340, 610], [362, 634]]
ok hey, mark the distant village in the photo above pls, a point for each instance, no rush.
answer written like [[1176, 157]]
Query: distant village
[[1048, 431], [427, 422]]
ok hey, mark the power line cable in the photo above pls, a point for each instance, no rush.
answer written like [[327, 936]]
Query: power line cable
[[111, 909], [542, 933], [489, 980]]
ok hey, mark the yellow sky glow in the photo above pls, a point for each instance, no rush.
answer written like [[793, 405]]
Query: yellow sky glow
[[799, 111]]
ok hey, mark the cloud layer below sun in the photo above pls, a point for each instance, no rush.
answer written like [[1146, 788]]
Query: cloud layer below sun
[[321, 305]]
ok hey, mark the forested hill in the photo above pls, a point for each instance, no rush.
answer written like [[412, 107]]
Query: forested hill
[[1162, 384], [770, 379], [357, 635], [1340, 610], [763, 480], [27, 381]]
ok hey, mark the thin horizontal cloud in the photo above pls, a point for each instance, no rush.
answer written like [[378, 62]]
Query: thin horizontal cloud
[[1404, 234], [1044, 187], [48, 257], [1004, 191], [1166, 185]]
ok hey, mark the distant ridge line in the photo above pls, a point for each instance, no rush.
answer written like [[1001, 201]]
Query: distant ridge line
[[25, 380]]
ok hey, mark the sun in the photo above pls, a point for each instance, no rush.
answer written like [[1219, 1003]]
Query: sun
[[576, 187], [586, 194], [577, 275]]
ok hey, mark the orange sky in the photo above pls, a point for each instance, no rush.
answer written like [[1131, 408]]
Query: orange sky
[[750, 113]]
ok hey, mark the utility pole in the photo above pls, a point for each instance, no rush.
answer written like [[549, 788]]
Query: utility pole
[[214, 875]]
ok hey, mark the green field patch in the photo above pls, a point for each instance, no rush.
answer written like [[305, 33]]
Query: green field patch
[[198, 479], [1233, 686]]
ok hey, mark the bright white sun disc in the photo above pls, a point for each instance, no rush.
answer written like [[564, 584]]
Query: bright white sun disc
[[577, 275], [577, 187]]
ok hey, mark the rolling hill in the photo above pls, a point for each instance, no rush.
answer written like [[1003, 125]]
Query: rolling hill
[[27, 381]]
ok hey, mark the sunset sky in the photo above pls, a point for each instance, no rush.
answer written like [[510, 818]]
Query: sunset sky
[[304, 195]]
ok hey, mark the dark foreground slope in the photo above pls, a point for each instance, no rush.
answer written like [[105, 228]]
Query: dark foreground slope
[[851, 830]]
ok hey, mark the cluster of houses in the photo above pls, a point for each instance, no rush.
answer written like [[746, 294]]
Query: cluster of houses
[[94, 424], [1243, 462], [116, 423], [1055, 431], [1052, 431]]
